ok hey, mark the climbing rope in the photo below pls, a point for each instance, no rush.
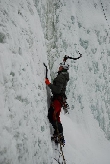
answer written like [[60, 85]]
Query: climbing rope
[[106, 45], [104, 14], [106, 21], [62, 154]]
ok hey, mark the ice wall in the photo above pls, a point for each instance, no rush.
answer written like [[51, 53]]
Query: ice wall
[[72, 26], [33, 32], [24, 128]]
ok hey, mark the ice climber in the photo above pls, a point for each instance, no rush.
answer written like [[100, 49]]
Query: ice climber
[[58, 89], [58, 100]]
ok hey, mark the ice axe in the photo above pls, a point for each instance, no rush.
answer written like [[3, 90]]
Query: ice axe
[[46, 71], [68, 57], [47, 88]]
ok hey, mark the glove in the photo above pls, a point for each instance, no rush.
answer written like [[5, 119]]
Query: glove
[[65, 107], [65, 58], [80, 55], [47, 82]]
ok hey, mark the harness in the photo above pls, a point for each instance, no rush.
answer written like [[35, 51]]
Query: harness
[[60, 97]]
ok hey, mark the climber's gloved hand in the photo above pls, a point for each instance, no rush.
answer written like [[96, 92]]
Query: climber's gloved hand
[[47, 82], [66, 107], [80, 55]]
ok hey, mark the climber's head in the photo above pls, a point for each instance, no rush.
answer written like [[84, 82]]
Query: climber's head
[[63, 66]]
